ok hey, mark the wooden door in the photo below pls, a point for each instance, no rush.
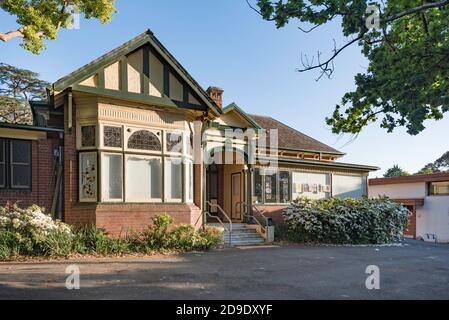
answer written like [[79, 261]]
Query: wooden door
[[236, 196], [411, 228]]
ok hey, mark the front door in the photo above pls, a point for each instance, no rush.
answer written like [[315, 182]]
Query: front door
[[236, 196], [410, 232]]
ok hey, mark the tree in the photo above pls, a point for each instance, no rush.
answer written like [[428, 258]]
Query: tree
[[41, 20], [407, 46], [396, 171], [440, 165], [17, 87]]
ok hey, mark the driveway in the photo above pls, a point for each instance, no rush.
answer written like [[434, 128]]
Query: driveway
[[414, 270]]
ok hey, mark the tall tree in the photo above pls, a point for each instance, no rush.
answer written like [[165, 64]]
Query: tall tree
[[439, 165], [17, 87], [407, 46], [41, 20], [396, 171]]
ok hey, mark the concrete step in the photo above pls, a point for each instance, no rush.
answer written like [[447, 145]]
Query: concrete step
[[241, 235]]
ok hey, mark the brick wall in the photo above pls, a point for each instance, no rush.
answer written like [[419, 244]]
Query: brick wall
[[43, 177]]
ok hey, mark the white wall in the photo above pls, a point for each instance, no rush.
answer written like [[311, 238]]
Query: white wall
[[432, 218]]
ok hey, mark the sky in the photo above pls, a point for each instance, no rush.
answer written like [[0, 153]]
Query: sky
[[226, 44]]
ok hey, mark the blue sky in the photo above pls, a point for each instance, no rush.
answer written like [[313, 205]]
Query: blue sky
[[224, 43]]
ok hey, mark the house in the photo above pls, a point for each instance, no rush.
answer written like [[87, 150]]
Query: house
[[427, 198], [132, 135]]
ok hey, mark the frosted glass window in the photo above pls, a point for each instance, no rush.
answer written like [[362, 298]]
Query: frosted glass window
[[143, 179], [112, 177], [173, 180], [349, 186], [311, 185]]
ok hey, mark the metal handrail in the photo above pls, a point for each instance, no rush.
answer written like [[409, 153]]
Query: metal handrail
[[219, 220], [252, 206]]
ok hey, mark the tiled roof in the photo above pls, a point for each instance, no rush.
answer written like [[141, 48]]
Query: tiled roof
[[290, 138]]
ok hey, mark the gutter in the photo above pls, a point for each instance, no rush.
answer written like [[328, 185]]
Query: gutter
[[30, 128]]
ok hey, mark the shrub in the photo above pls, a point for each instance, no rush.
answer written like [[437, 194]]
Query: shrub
[[345, 221], [30, 232]]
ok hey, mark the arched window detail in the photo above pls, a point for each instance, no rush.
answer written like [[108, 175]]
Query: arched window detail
[[144, 140]]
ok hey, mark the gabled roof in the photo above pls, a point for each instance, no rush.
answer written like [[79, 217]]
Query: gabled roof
[[234, 107], [145, 38], [292, 139]]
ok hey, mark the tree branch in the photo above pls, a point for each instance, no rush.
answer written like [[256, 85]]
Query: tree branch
[[5, 37]]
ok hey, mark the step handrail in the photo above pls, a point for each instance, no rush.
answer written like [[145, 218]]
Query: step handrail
[[219, 220], [252, 206]]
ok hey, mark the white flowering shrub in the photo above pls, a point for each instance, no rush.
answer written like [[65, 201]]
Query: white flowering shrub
[[31, 232], [345, 221]]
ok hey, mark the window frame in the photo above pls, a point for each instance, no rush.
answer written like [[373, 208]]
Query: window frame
[[125, 181], [166, 199], [430, 189], [130, 130], [101, 182], [8, 163], [101, 136], [79, 136], [98, 181]]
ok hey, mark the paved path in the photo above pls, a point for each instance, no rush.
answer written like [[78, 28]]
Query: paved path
[[413, 271]]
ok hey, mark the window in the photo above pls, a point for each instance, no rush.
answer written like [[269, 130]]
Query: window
[[143, 179], [349, 186], [88, 136], [112, 137], [88, 177], [173, 179], [284, 187], [258, 186], [2, 164], [439, 188], [311, 185], [144, 140], [15, 164], [174, 142], [270, 187], [189, 181], [112, 177]]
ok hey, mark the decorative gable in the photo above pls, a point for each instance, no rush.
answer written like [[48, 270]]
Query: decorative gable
[[141, 70]]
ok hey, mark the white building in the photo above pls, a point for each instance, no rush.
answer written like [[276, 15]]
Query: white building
[[426, 196]]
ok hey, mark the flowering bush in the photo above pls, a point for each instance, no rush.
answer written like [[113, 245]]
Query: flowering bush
[[30, 232], [346, 221]]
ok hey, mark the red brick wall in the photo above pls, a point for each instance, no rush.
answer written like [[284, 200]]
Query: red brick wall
[[121, 219], [273, 211], [43, 177]]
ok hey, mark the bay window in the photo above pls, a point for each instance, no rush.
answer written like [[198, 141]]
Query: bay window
[[137, 165]]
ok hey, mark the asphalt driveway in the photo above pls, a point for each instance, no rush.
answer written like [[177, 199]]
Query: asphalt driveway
[[414, 270]]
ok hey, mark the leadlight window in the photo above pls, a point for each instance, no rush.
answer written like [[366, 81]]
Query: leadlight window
[[88, 136], [144, 140], [88, 177], [174, 142], [112, 137]]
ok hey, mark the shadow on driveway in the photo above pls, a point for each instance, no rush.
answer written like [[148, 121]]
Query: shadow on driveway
[[415, 270]]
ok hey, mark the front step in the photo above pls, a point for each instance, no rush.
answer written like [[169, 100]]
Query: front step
[[241, 235]]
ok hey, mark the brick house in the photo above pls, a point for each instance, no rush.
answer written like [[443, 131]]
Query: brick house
[[132, 134]]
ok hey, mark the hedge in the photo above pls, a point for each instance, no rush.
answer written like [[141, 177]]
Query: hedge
[[345, 221]]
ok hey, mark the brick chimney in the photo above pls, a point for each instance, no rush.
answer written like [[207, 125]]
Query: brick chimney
[[217, 95]]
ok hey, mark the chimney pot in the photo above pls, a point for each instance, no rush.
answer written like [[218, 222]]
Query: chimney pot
[[216, 94]]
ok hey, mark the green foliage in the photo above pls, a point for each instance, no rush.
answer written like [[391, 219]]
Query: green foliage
[[29, 232], [439, 165], [396, 171], [406, 81], [17, 87], [41, 20], [345, 221]]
